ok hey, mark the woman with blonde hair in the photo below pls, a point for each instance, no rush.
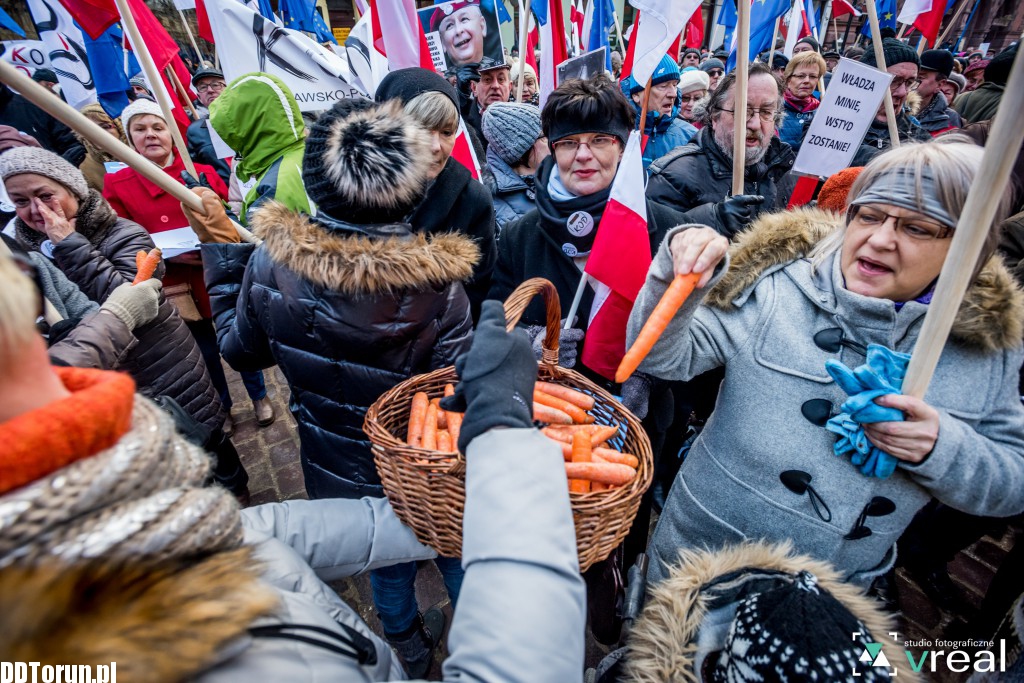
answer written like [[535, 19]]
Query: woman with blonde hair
[[801, 78], [803, 289], [94, 167]]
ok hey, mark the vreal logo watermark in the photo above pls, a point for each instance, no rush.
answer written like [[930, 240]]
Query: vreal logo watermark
[[958, 656]]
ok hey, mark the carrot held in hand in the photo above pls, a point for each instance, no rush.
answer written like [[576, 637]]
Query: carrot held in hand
[[146, 264], [682, 286], [417, 418]]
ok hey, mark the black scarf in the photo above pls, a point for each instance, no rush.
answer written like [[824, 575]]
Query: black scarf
[[95, 218], [572, 224]]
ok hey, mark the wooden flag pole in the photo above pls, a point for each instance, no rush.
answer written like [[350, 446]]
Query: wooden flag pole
[[524, 29], [971, 232], [876, 43], [182, 93], [191, 38], [153, 75], [76, 121], [739, 100], [775, 40], [899, 36], [644, 103]]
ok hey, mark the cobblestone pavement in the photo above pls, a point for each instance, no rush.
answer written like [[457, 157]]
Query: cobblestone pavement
[[271, 457]]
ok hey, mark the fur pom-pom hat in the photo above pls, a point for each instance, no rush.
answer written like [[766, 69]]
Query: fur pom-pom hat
[[366, 163]]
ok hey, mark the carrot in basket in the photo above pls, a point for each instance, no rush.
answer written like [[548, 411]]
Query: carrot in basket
[[578, 398], [597, 433], [682, 286], [444, 440], [580, 454], [603, 433], [417, 418], [609, 455], [577, 414], [449, 390], [442, 420], [430, 429], [543, 413], [603, 472], [146, 265]]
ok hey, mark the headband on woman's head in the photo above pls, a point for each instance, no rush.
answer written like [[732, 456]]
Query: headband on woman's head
[[899, 187]]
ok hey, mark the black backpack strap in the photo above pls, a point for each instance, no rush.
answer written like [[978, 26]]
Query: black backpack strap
[[350, 644]]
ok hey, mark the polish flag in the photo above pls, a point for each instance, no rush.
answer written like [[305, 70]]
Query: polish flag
[[463, 151], [663, 23], [552, 44], [695, 29], [618, 264], [404, 43], [925, 16], [576, 19], [841, 7]]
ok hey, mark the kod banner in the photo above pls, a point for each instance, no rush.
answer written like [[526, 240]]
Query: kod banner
[[65, 48], [25, 55], [248, 42]]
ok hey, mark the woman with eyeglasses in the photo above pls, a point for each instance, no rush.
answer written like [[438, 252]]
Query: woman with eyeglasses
[[801, 80], [803, 288]]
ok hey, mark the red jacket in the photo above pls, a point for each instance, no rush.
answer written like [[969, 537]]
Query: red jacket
[[134, 197]]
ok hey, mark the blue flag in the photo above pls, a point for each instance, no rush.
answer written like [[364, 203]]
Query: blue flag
[[763, 14], [302, 15], [10, 24], [601, 23], [727, 18], [495, 7], [886, 16], [106, 61]]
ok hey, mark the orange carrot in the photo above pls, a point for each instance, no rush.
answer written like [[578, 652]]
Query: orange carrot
[[609, 455], [578, 398], [577, 414], [449, 390], [603, 472], [147, 266], [682, 286], [580, 454], [442, 420], [444, 440], [598, 486], [543, 413], [597, 433], [417, 418], [140, 258], [602, 433], [430, 429]]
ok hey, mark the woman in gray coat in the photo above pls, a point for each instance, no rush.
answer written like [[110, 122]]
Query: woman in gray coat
[[800, 289]]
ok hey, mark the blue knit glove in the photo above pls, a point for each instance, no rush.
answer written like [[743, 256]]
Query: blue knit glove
[[881, 374]]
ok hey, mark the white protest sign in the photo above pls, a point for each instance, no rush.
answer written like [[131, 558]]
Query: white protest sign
[[436, 51], [247, 42], [26, 55], [846, 112]]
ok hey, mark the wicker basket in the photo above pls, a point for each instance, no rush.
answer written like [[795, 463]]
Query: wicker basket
[[427, 488]]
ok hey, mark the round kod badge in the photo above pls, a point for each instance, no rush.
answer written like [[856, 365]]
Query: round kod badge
[[580, 223], [570, 250]]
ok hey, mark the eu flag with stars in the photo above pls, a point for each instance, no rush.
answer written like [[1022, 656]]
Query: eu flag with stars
[[763, 14], [886, 16]]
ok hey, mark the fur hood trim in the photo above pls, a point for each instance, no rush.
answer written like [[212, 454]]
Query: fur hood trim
[[663, 642], [354, 263], [991, 316], [159, 623]]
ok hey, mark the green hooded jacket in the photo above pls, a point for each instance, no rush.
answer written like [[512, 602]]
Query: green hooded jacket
[[257, 116]]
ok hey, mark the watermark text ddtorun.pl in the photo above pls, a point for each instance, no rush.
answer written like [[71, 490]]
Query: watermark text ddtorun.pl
[[34, 672]]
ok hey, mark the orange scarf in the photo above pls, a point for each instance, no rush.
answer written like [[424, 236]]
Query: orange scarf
[[93, 418]]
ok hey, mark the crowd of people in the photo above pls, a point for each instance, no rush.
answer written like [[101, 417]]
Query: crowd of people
[[791, 475]]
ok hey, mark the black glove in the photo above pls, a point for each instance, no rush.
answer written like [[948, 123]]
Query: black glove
[[636, 392], [496, 376], [568, 341], [737, 212], [465, 74]]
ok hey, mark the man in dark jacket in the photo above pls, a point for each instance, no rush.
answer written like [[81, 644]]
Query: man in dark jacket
[[903, 63], [19, 113], [935, 115], [696, 179], [209, 84]]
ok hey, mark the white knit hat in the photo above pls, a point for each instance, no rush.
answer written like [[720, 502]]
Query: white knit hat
[[693, 79], [138, 108]]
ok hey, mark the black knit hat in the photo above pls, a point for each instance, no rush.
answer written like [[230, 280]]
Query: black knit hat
[[405, 84], [940, 61], [998, 69], [810, 41], [366, 163], [894, 51]]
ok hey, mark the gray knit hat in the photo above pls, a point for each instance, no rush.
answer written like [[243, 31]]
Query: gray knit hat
[[511, 129], [42, 162]]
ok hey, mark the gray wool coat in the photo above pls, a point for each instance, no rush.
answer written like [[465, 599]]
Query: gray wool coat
[[759, 321]]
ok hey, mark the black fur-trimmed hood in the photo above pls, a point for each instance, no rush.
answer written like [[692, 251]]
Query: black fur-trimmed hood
[[991, 317], [359, 263]]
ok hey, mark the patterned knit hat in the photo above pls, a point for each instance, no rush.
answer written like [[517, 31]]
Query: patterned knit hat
[[138, 108], [139, 82], [511, 129], [45, 163], [895, 52]]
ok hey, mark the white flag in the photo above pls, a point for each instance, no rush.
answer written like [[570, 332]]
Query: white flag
[[66, 50], [248, 42], [185, 4], [913, 8]]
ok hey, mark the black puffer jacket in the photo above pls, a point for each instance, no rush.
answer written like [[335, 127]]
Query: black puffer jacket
[[456, 202], [347, 312], [695, 178], [99, 256]]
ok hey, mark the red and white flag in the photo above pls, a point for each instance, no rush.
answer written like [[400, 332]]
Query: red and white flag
[[404, 43], [618, 264], [925, 16], [576, 19], [841, 7], [663, 23], [553, 50]]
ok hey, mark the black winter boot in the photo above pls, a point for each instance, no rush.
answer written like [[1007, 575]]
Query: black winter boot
[[416, 650]]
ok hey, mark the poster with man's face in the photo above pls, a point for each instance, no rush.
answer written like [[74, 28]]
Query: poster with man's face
[[461, 32]]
